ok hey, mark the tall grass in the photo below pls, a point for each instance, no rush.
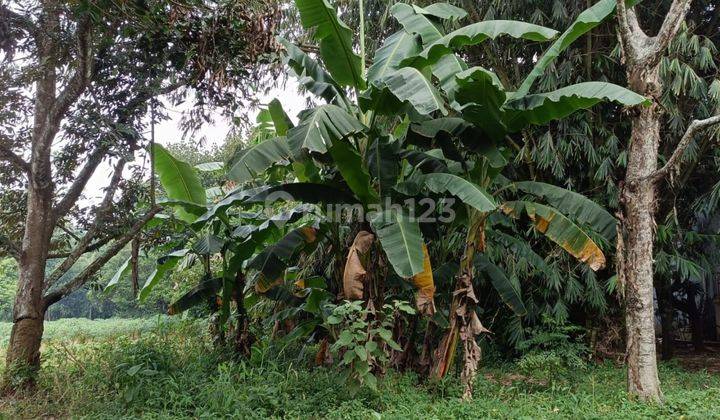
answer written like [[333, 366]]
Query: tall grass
[[168, 370], [83, 328]]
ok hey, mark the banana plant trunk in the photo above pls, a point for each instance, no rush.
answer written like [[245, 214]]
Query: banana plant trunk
[[464, 323], [243, 337]]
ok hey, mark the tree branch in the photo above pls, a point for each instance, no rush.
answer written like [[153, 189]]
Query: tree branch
[[90, 248], [77, 187], [624, 30], [694, 127], [20, 21], [82, 278], [633, 40], [671, 25], [82, 75], [7, 154], [11, 246], [100, 216]]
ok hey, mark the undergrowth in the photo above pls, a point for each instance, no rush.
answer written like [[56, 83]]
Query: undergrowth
[[169, 371]]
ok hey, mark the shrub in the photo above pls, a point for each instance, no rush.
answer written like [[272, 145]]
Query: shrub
[[552, 350]]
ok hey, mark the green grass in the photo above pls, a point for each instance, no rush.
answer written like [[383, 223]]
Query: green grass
[[170, 371], [79, 328]]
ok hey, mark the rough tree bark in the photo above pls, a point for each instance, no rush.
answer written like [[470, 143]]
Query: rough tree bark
[[36, 291], [641, 55], [28, 313]]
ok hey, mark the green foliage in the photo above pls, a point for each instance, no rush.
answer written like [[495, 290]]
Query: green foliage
[[585, 22], [364, 339], [336, 41], [552, 350], [8, 287], [480, 31], [248, 163], [179, 180], [541, 108], [194, 381], [402, 240]]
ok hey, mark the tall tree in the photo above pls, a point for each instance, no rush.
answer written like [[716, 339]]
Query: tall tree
[[95, 69], [642, 55]]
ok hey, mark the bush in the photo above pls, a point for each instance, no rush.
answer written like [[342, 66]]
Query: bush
[[181, 376], [552, 350]]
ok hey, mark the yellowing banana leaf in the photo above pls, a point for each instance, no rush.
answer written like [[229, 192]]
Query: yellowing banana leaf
[[559, 229], [425, 284]]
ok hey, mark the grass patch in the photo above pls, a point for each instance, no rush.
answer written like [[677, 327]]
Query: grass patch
[[168, 370], [83, 328]]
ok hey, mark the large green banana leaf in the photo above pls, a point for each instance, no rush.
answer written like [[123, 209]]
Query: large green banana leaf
[[421, 24], [383, 163], [507, 289], [478, 32], [305, 192], [574, 205], [336, 44], [309, 72], [441, 11], [350, 165], [396, 47], [253, 161], [559, 229], [164, 264], [208, 244], [249, 163], [121, 272], [585, 22], [407, 85], [179, 180], [320, 127], [480, 97], [401, 240], [218, 210], [302, 164], [466, 191], [272, 262], [425, 162], [430, 129], [416, 23], [196, 295], [280, 119], [210, 166], [542, 108]]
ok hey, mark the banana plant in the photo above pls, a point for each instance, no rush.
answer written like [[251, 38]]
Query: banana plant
[[487, 107], [368, 144], [354, 143], [238, 247]]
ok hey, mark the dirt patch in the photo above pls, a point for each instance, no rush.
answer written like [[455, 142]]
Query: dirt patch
[[707, 360]]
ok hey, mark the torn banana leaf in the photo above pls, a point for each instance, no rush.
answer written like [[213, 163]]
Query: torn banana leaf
[[559, 229]]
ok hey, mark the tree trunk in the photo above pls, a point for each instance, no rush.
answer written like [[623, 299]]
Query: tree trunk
[[134, 263], [638, 201], [23, 353]]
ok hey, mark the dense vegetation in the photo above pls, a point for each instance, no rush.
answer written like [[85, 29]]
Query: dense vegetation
[[167, 370], [471, 202]]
